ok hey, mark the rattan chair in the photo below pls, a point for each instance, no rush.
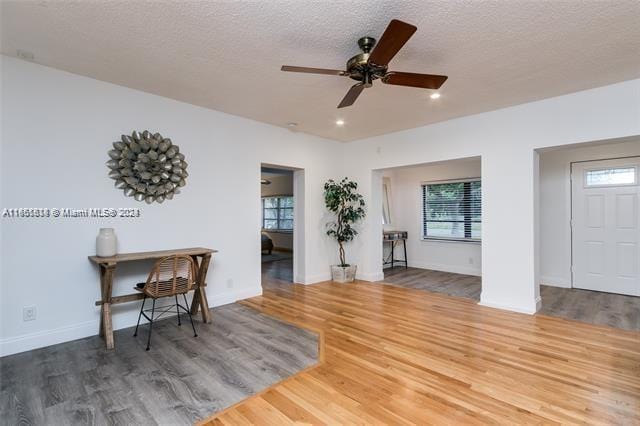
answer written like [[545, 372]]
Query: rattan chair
[[170, 276]]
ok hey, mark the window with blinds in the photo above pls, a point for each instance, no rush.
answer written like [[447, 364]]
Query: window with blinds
[[452, 210], [277, 213]]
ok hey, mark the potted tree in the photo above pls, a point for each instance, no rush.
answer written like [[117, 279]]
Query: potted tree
[[343, 200]]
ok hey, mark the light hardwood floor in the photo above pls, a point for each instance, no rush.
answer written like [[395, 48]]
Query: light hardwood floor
[[403, 356]]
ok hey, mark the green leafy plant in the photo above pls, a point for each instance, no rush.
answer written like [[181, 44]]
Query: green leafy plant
[[342, 199]]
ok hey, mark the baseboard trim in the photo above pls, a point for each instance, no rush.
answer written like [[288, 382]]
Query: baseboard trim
[[375, 276], [41, 339], [456, 269], [234, 296], [313, 279], [370, 276], [535, 307], [555, 281]]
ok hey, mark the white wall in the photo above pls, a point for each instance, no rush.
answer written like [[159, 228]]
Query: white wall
[[1, 187], [555, 205], [406, 215], [280, 185], [506, 140], [57, 129]]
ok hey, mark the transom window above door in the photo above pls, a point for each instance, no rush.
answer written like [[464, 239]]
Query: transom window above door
[[277, 213], [614, 176], [452, 210]]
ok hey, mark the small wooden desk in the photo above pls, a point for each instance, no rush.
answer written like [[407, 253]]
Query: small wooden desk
[[392, 237], [200, 255]]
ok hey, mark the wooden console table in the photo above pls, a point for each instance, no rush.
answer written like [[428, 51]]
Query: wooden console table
[[107, 265]]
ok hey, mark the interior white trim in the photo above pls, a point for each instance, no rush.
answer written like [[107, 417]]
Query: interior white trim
[[26, 342], [452, 239], [372, 277], [458, 180], [39, 339], [555, 281], [234, 296], [535, 306], [314, 279], [456, 269]]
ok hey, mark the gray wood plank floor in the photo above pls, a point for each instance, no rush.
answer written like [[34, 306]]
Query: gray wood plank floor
[[467, 286], [180, 380], [277, 273], [594, 307], [612, 310]]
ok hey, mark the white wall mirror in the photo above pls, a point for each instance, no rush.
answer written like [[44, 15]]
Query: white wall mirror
[[386, 199]]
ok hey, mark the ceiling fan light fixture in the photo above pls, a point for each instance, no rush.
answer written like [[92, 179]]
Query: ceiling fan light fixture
[[372, 64]]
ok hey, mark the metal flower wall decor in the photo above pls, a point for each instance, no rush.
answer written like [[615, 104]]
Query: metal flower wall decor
[[147, 167]]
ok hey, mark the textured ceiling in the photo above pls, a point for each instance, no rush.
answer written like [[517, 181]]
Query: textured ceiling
[[227, 55]]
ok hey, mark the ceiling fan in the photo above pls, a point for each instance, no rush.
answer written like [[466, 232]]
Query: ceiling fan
[[372, 64]]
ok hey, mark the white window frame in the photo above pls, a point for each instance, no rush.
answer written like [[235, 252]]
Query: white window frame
[[426, 238]]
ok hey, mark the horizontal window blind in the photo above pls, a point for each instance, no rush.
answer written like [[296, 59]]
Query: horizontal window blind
[[452, 210], [277, 213]]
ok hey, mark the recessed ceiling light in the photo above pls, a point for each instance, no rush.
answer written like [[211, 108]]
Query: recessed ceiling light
[[339, 122], [292, 124], [435, 95]]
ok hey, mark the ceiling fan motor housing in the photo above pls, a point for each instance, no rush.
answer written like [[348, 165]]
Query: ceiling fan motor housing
[[358, 67]]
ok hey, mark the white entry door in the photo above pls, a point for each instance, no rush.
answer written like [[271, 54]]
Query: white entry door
[[605, 225]]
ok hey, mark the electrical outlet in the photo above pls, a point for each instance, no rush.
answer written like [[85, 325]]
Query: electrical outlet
[[230, 283], [471, 261], [28, 313], [24, 54]]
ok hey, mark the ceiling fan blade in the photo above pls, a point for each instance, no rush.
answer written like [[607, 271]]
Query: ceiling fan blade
[[424, 81], [312, 70], [394, 37], [351, 95]]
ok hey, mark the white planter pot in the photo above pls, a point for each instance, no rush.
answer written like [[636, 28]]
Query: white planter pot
[[343, 274], [106, 243]]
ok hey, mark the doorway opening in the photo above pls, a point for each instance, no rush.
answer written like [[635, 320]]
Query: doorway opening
[[590, 232], [281, 217], [432, 227]]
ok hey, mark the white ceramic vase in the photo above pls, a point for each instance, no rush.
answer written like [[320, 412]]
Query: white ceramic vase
[[343, 274], [106, 243]]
